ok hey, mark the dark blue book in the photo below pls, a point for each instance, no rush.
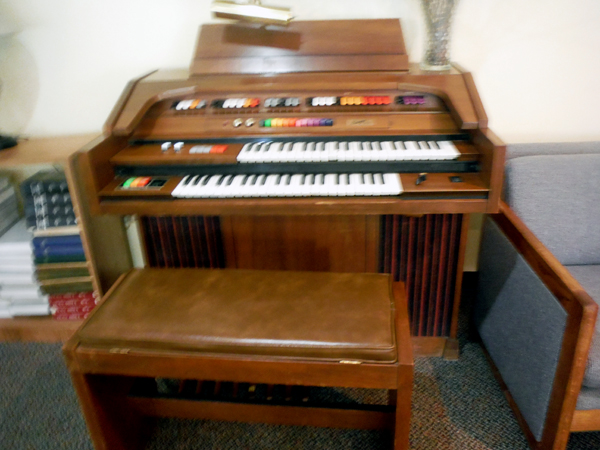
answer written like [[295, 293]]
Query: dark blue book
[[55, 241], [61, 250]]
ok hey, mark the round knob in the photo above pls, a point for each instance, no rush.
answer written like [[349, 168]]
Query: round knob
[[249, 122], [238, 123]]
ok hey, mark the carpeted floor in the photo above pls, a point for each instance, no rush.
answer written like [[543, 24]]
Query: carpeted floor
[[456, 406]]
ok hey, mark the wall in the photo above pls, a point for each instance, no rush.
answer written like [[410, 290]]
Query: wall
[[535, 62]]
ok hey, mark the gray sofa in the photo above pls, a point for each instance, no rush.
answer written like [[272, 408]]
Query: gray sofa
[[539, 274]]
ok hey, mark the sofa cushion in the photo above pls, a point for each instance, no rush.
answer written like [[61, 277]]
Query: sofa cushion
[[551, 148], [589, 277], [558, 198]]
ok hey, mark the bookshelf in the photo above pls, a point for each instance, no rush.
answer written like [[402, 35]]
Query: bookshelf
[[19, 162]]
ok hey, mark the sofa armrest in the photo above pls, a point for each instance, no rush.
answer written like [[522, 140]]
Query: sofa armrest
[[536, 323]]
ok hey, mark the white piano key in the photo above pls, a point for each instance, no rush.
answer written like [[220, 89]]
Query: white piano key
[[305, 185], [234, 189], [393, 184], [379, 187], [285, 154], [331, 148], [311, 152], [413, 151], [272, 152], [243, 154], [257, 186], [298, 152], [296, 185], [318, 185], [270, 186], [321, 153], [330, 185], [378, 153], [195, 186], [344, 188], [212, 186], [357, 151], [187, 190], [177, 192], [344, 153], [357, 183], [369, 184], [222, 188], [449, 149]]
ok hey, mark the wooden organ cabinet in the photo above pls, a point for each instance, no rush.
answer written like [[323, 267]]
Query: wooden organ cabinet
[[307, 148]]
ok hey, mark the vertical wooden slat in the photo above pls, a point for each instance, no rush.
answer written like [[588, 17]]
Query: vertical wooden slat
[[425, 271], [434, 270], [410, 271], [442, 272], [449, 287], [192, 241], [183, 241], [179, 253], [424, 253]]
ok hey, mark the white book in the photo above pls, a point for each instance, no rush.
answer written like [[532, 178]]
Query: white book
[[18, 266], [31, 309], [16, 241], [20, 293], [17, 278], [41, 300]]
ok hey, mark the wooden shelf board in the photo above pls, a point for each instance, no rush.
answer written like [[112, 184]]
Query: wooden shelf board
[[51, 150], [37, 329]]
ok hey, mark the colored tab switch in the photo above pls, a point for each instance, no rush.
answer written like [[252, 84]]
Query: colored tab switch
[[218, 149]]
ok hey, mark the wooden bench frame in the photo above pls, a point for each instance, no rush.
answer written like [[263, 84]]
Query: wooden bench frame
[[103, 378]]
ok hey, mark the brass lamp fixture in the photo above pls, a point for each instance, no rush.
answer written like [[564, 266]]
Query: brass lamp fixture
[[251, 11]]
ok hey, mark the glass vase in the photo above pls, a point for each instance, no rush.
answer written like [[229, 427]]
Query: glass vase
[[438, 19]]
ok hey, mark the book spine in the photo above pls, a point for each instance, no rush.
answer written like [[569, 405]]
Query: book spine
[[74, 296], [62, 250], [51, 241], [58, 259], [72, 309], [70, 316], [69, 303]]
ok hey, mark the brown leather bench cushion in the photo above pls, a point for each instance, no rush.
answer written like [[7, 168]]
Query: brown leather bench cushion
[[310, 315]]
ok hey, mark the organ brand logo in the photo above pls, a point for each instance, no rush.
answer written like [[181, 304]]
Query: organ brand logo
[[360, 123]]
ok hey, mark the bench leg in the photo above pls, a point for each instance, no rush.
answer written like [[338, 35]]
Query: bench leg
[[111, 424], [403, 402]]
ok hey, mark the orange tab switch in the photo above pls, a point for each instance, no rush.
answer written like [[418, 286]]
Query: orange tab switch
[[218, 149]]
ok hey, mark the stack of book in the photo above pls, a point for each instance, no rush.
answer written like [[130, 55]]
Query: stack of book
[[20, 294], [9, 210], [61, 267]]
